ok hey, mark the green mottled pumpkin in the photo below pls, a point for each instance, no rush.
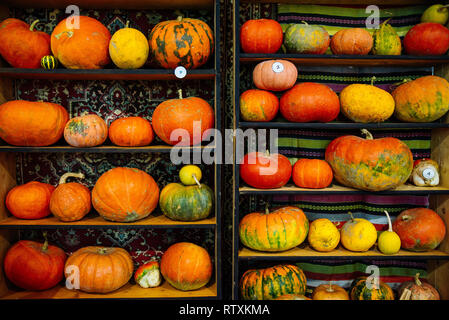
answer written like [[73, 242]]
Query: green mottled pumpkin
[[279, 230], [306, 39], [369, 164], [386, 40], [186, 203], [359, 290], [273, 282]]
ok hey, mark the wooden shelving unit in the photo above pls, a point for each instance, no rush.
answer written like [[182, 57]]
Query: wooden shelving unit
[[436, 260], [11, 226]]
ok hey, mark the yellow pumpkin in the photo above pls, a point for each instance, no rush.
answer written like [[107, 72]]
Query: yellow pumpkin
[[366, 103], [323, 235], [329, 292], [129, 48], [358, 234]]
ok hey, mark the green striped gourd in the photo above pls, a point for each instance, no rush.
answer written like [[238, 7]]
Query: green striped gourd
[[386, 40], [362, 290], [306, 39]]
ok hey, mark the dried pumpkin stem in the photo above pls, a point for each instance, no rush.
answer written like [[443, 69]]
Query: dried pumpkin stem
[[330, 289], [102, 250], [127, 24], [69, 34], [67, 175], [390, 228], [180, 93], [372, 80], [196, 180], [33, 24], [352, 217], [305, 22], [267, 209], [45, 245], [417, 281], [179, 18], [368, 135]]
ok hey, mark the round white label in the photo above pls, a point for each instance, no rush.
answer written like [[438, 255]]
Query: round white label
[[180, 72], [428, 173], [278, 67]]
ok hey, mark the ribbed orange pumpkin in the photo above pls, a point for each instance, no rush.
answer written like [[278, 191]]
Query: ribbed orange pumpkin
[[186, 266], [183, 114], [275, 75], [101, 269], [30, 200], [86, 47], [182, 42], [258, 105], [131, 132], [70, 201], [22, 46], [32, 124], [329, 292], [352, 41], [261, 36], [86, 131], [312, 173], [125, 194]]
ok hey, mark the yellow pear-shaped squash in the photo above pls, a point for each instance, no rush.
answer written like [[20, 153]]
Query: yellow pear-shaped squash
[[129, 48], [358, 234], [366, 103]]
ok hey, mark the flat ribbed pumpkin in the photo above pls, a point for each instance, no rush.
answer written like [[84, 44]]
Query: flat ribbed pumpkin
[[181, 42], [386, 41], [125, 194], [369, 164], [131, 132], [425, 99], [273, 282], [360, 290], [32, 124], [306, 39], [278, 230]]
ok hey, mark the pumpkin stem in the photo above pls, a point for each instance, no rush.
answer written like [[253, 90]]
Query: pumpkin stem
[[267, 209], [180, 93], [66, 175], [267, 153], [33, 24], [179, 18], [127, 24], [368, 134], [45, 245], [196, 180], [102, 250], [304, 22], [405, 217], [69, 34], [390, 228], [443, 7], [352, 217], [417, 281], [330, 289], [372, 80]]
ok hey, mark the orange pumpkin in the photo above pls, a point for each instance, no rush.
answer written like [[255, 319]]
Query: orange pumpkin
[[32, 124], [258, 105], [125, 194], [291, 296], [131, 132], [352, 41], [329, 292], [100, 269], [82, 47], [70, 201], [191, 116], [22, 46], [186, 266], [261, 36], [86, 131], [275, 75], [312, 173], [30, 200]]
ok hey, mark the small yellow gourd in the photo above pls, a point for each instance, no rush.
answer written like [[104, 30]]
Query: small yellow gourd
[[323, 235], [358, 234], [190, 174], [389, 241]]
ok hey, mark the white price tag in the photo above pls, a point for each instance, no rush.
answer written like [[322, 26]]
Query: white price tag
[[277, 67], [428, 173], [180, 72]]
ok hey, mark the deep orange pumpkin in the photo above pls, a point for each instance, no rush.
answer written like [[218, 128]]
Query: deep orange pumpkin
[[258, 105], [34, 266], [125, 194], [427, 39], [352, 41], [70, 201], [32, 124], [22, 46], [309, 101], [131, 132], [30, 200], [186, 266], [312, 173], [101, 269], [329, 291], [86, 131], [267, 77], [261, 36], [86, 47], [192, 116]]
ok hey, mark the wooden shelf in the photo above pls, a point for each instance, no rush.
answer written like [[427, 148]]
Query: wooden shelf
[[346, 2], [128, 291], [337, 189], [104, 74], [157, 220], [348, 60], [305, 252]]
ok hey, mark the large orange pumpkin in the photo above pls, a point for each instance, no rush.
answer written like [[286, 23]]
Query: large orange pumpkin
[[186, 266], [22, 46], [261, 36], [86, 131], [30, 200], [191, 116], [312, 173], [352, 41], [32, 124], [275, 75], [100, 269], [125, 194], [131, 132], [181, 42], [258, 105], [85, 47], [70, 201]]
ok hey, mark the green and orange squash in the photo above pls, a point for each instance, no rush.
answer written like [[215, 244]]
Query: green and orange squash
[[306, 39], [272, 282], [258, 105], [87, 130], [278, 230], [362, 290], [386, 41], [369, 164]]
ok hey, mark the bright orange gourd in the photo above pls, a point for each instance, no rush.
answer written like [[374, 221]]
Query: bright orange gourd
[[86, 131], [312, 173], [261, 36], [329, 292], [352, 41], [258, 105], [131, 132]]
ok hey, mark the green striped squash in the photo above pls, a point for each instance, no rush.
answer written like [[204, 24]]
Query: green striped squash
[[306, 39], [360, 290], [49, 62], [273, 282], [186, 203], [386, 40]]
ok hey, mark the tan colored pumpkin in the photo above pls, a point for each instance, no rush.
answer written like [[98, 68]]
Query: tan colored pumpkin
[[275, 75]]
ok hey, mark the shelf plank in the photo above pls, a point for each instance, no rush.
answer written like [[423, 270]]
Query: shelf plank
[[104, 74], [346, 2], [338, 189], [347, 60], [128, 291], [157, 220], [305, 252]]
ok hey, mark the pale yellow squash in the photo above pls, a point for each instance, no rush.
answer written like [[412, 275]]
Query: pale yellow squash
[[323, 235]]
